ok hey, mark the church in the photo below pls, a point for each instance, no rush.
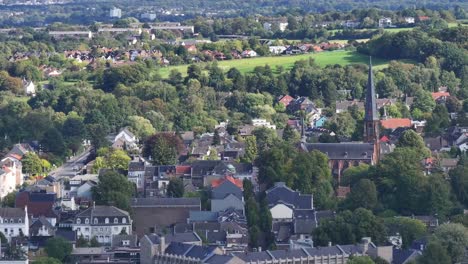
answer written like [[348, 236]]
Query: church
[[346, 154]]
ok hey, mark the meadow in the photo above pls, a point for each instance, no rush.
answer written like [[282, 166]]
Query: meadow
[[323, 59]]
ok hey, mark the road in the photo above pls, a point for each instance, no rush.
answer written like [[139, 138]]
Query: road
[[71, 167]]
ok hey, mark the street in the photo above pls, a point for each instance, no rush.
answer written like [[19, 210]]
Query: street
[[71, 167]]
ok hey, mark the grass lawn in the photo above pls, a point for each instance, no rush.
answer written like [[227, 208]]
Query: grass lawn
[[322, 59]]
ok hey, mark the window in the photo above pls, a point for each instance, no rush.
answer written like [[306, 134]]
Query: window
[[106, 221], [124, 229], [6, 221], [20, 220], [125, 242], [116, 221], [12, 221], [124, 220], [86, 229], [78, 221], [87, 221], [95, 221]]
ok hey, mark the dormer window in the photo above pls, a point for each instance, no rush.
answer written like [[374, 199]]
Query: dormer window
[[87, 221], [116, 221], [12, 221], [6, 221], [124, 220], [95, 221], [107, 220], [20, 221], [78, 221]]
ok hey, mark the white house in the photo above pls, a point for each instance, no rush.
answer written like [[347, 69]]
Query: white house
[[262, 123], [249, 53], [409, 20], [136, 173], [102, 222], [115, 12], [10, 174], [125, 139], [276, 49], [14, 222], [385, 22], [282, 26], [29, 88]]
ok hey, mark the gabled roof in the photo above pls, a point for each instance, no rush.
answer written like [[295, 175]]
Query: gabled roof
[[165, 202], [228, 180], [280, 193], [203, 216], [394, 123], [343, 151], [402, 256], [187, 250], [438, 95], [102, 211], [12, 212]]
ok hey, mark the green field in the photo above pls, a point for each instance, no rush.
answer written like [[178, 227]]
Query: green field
[[322, 59]]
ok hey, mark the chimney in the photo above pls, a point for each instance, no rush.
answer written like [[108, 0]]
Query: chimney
[[162, 244], [94, 205], [365, 241], [329, 243]]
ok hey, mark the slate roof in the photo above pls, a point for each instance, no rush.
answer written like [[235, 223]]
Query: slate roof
[[118, 239], [203, 216], [219, 259], [136, 166], [280, 193], [182, 237], [402, 256], [166, 202], [370, 104], [224, 189], [12, 213], [102, 211], [343, 151], [187, 250]]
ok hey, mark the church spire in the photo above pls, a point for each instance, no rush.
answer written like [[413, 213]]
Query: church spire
[[371, 104]]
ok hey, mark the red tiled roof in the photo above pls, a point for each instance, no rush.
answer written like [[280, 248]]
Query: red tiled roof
[[394, 123], [286, 100], [384, 139], [422, 18], [342, 191], [237, 182], [183, 169], [438, 95]]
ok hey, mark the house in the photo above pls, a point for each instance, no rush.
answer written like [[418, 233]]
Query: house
[[157, 213], [436, 144], [385, 22], [440, 96], [136, 173], [29, 88], [115, 13], [39, 203], [351, 24], [102, 222], [405, 256], [283, 201], [257, 122], [125, 139], [41, 227], [14, 222], [229, 236], [423, 18], [342, 106], [409, 20], [205, 171], [394, 123], [276, 49], [249, 53], [286, 100], [231, 201], [318, 123]]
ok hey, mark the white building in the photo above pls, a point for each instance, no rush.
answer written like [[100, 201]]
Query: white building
[[283, 26], [125, 140], [409, 20], [276, 49], [115, 12], [102, 222], [385, 22], [10, 174], [14, 222], [262, 123], [136, 173], [29, 88], [148, 16]]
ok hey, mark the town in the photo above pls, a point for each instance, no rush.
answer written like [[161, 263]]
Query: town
[[192, 135]]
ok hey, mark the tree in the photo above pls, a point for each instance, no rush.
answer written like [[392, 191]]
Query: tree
[[46, 260], [117, 159], [82, 242], [409, 229], [360, 260], [410, 139], [175, 188], [216, 138], [459, 181], [9, 199], [32, 164], [363, 194], [163, 148], [113, 188], [141, 126], [290, 134], [59, 248], [435, 253], [454, 237], [265, 138], [250, 149], [94, 242], [343, 124], [53, 142]]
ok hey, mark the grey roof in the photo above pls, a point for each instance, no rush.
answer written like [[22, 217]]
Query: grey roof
[[283, 254], [280, 193], [103, 211], [324, 251], [343, 151], [12, 213], [136, 166], [203, 216], [253, 256], [402, 256], [118, 239], [371, 106], [187, 250], [182, 237], [166, 202], [219, 259], [224, 189], [304, 221], [42, 221]]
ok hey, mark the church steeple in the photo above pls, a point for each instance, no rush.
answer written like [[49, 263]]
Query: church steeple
[[371, 105], [371, 117]]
